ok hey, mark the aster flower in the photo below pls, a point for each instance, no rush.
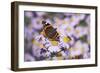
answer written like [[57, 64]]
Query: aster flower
[[40, 13], [66, 30], [72, 41], [74, 20], [54, 58], [28, 32], [63, 44], [88, 19], [69, 30], [64, 55], [57, 21], [81, 16], [54, 49], [28, 57], [80, 31], [86, 48], [36, 24], [77, 49], [68, 14], [36, 50], [86, 55], [29, 14], [66, 21], [88, 39]]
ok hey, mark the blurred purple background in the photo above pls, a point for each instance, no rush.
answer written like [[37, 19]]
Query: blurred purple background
[[74, 25]]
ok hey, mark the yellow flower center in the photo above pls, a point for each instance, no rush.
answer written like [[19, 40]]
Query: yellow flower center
[[68, 29], [66, 39], [54, 43], [77, 32]]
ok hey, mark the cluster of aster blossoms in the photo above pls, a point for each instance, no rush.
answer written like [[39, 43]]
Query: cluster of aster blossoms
[[69, 25]]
